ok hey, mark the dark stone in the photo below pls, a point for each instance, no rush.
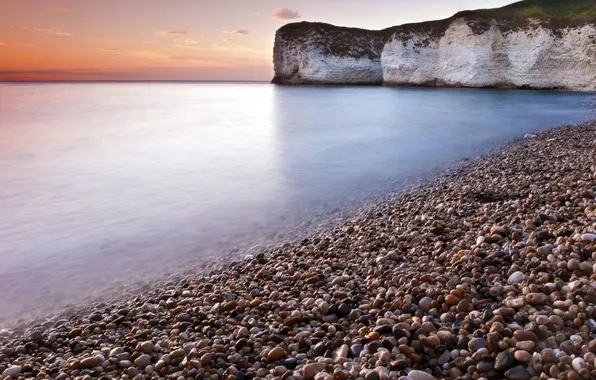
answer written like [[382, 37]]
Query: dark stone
[[290, 363], [356, 349], [343, 310], [240, 343], [319, 349], [398, 333], [185, 325], [398, 365], [383, 330], [387, 344], [517, 373], [504, 361], [374, 346], [462, 343]]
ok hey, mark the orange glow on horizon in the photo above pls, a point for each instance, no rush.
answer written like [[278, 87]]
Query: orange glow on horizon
[[174, 40]]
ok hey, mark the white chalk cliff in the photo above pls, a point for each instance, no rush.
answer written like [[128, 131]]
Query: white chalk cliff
[[463, 51]]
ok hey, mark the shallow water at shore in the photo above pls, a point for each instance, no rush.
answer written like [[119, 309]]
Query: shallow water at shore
[[109, 181]]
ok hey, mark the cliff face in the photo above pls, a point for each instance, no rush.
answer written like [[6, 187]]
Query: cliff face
[[314, 53], [464, 51], [533, 57]]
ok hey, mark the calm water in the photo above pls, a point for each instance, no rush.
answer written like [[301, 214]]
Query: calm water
[[101, 182]]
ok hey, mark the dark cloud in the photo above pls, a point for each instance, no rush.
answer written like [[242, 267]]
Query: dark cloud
[[240, 32], [285, 14]]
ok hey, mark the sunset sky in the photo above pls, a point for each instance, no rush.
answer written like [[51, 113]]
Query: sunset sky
[[177, 39]]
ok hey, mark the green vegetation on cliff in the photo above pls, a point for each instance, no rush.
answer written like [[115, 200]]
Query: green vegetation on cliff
[[572, 11]]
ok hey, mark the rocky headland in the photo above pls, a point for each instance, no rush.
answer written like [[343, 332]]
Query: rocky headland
[[538, 44], [488, 272]]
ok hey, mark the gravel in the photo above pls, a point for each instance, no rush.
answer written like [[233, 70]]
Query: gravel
[[487, 272]]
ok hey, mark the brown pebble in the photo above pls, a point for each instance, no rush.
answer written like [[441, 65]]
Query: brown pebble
[[525, 335], [275, 354]]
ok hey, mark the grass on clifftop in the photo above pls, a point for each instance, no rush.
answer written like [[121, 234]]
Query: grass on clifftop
[[578, 10]]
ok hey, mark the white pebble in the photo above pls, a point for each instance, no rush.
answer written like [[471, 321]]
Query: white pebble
[[516, 277]]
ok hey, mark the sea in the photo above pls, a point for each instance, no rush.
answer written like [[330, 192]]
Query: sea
[[104, 185]]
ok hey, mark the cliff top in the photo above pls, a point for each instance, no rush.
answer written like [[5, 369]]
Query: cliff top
[[355, 42], [567, 9], [556, 13]]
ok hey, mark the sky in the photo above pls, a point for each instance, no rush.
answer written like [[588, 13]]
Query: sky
[[178, 39]]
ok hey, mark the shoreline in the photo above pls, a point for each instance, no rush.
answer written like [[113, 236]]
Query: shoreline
[[465, 276]]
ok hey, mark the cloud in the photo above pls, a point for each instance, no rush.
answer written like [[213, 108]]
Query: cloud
[[11, 44], [285, 14], [188, 43], [171, 32], [108, 49], [58, 9], [102, 41], [54, 31], [148, 54], [240, 32], [223, 42]]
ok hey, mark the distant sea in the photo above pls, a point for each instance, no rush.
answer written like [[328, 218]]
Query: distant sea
[[103, 183]]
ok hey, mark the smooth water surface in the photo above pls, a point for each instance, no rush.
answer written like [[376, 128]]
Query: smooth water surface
[[108, 181]]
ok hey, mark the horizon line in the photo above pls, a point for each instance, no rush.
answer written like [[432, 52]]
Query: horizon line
[[138, 80]]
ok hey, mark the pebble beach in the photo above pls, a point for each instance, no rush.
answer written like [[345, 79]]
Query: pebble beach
[[488, 271]]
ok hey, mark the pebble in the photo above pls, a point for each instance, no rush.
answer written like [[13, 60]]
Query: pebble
[[522, 356], [142, 361], [504, 361], [275, 354], [425, 303], [522, 335], [517, 373], [516, 277], [90, 362], [12, 371], [476, 344], [310, 370], [147, 347], [578, 364], [420, 375]]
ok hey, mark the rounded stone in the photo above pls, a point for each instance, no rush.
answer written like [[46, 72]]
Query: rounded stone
[[464, 306], [535, 298], [275, 354], [11, 371], [517, 373], [90, 362], [420, 375], [477, 343], [425, 303], [147, 347], [521, 335], [516, 277], [522, 356], [452, 300], [143, 361], [206, 359]]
